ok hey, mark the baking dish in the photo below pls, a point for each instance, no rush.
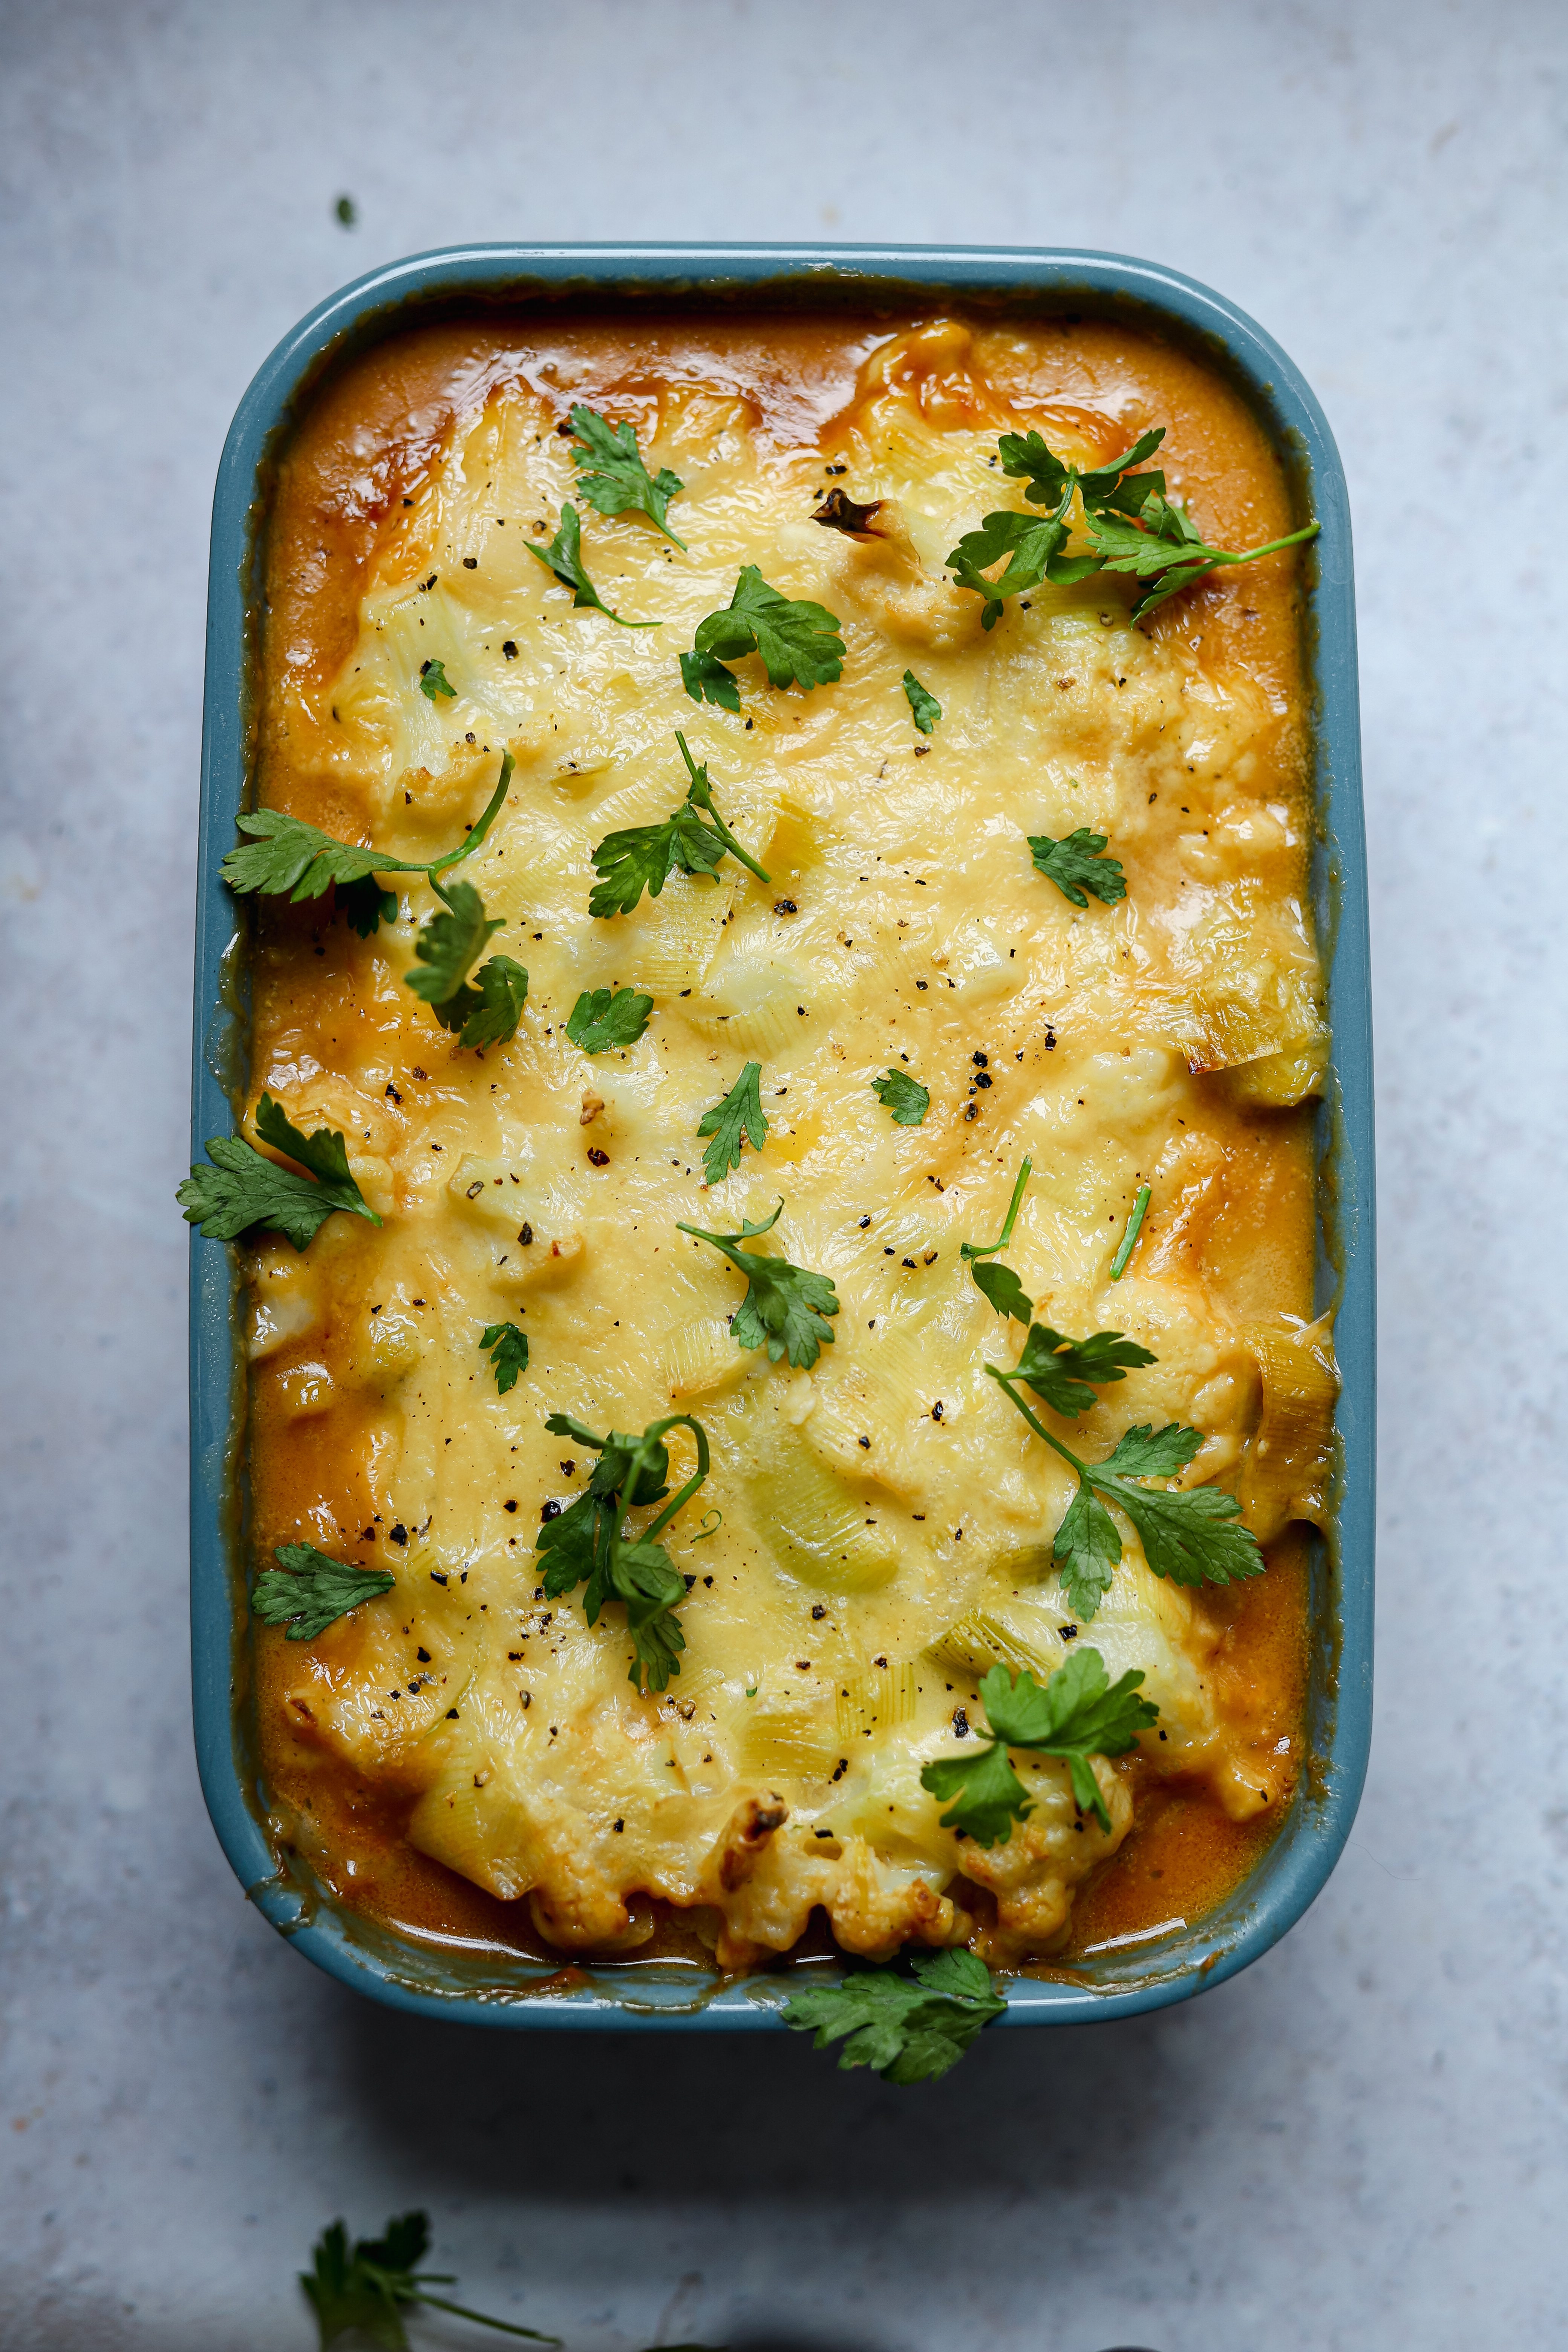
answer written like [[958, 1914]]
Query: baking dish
[[504, 1987]]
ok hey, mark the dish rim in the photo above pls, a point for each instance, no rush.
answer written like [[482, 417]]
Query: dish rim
[[1291, 1873]]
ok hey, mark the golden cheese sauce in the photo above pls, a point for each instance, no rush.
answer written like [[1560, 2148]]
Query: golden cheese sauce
[[468, 1760]]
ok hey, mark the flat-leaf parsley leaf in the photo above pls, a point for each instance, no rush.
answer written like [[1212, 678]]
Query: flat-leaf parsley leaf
[[739, 1119], [308, 1591], [904, 1097], [243, 1188], [603, 1019], [798, 641], [1078, 864], [611, 473], [563, 557], [785, 1304], [907, 2030], [506, 1344], [592, 1541], [643, 856], [1081, 1713], [365, 2290], [924, 707]]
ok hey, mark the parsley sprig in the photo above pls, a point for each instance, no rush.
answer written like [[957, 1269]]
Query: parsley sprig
[[364, 2289], [506, 1345], [592, 1540], [903, 1096], [308, 1591], [1078, 864], [1193, 1535], [999, 1284], [563, 558], [611, 473], [283, 855], [606, 1020], [906, 2029], [643, 856], [243, 1189], [1080, 1713], [739, 1119], [1132, 526], [798, 641], [785, 1304]]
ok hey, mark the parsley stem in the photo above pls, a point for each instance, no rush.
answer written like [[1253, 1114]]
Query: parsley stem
[[645, 1444], [1134, 1225], [701, 791], [1005, 1382], [481, 2319], [1220, 555], [439, 864], [989, 1249]]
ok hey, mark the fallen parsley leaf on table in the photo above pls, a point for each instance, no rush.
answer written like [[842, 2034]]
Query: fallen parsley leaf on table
[[243, 1188], [592, 1540], [924, 707], [798, 641], [785, 1305], [603, 1019], [1193, 1535], [308, 1591], [1080, 1713], [563, 557], [1078, 864], [611, 473], [904, 1097], [906, 2029], [506, 1344], [366, 2288], [643, 856], [739, 1119]]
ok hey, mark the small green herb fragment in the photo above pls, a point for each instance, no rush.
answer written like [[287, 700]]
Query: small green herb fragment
[[904, 1097], [785, 1304], [345, 213], [643, 856], [603, 1019], [1061, 1370], [592, 1540], [433, 681], [365, 2290], [611, 473], [1080, 1713], [1126, 1246], [1078, 864], [906, 2029], [923, 705], [998, 1283], [243, 1189], [308, 1591], [798, 641], [506, 1344], [563, 557], [739, 1119]]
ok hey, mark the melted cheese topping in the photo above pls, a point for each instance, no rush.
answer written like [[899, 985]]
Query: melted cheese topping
[[884, 1519]]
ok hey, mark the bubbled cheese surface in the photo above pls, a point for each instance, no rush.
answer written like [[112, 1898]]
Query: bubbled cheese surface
[[876, 1530]]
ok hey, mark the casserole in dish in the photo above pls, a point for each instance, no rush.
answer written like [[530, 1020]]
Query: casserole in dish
[[752, 1722]]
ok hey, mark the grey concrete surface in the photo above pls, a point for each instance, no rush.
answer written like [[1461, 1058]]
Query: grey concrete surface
[[1359, 2143]]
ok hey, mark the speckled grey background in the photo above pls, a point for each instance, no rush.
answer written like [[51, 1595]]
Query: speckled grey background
[[1360, 2143]]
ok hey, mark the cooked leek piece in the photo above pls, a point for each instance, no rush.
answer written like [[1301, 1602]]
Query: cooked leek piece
[[814, 1522], [877, 1700], [699, 1358], [1287, 1464], [476, 1824], [799, 1742]]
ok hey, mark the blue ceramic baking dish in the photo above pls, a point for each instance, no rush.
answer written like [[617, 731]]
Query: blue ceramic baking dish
[[495, 1988]]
